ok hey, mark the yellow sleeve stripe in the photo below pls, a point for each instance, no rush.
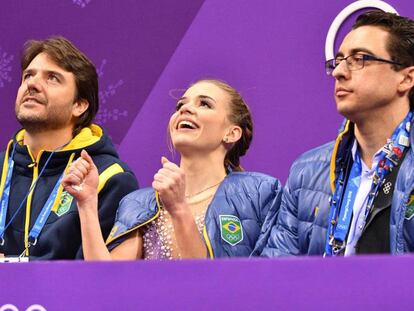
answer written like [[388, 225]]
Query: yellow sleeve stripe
[[107, 174]]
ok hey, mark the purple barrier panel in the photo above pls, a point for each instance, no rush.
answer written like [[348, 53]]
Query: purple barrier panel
[[357, 283]]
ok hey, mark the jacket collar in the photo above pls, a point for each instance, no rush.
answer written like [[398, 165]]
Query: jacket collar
[[86, 137], [342, 144]]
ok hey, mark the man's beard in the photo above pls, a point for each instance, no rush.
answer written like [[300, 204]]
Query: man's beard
[[53, 119]]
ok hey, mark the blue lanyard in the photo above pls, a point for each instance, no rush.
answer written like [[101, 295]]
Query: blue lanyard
[[44, 214], [4, 203], [351, 190], [343, 198]]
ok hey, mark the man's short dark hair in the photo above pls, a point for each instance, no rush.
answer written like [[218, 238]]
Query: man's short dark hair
[[400, 45], [70, 58]]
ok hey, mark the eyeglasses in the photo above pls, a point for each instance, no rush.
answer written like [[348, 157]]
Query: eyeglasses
[[354, 62]]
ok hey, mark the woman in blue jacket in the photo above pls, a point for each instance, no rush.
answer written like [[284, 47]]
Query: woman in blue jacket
[[205, 207]]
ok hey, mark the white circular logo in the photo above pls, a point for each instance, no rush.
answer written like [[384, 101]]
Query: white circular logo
[[342, 16], [11, 307], [8, 307]]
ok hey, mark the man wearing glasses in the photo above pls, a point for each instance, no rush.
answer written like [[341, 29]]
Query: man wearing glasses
[[356, 195]]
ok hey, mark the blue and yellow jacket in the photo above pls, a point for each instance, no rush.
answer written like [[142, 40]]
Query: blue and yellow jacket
[[301, 228], [61, 236], [238, 220]]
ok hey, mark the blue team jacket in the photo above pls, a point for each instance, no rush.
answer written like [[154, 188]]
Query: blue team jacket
[[253, 198], [301, 228]]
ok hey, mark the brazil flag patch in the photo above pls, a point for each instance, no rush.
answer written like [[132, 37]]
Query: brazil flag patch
[[231, 229], [409, 211], [64, 204]]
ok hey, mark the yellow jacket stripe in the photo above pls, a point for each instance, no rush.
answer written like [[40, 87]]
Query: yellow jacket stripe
[[208, 243], [333, 158], [29, 204]]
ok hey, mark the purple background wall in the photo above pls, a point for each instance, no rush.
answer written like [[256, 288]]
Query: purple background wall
[[147, 52]]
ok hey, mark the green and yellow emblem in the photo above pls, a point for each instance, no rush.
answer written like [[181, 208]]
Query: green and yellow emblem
[[64, 204], [111, 234], [409, 211], [231, 229]]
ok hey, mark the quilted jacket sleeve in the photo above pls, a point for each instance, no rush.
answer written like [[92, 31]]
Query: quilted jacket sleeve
[[303, 216], [270, 198], [283, 240]]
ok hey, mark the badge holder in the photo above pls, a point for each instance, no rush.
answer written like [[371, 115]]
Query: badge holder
[[17, 259], [14, 259]]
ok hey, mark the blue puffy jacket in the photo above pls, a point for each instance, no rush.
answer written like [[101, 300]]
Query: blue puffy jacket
[[253, 198], [301, 228]]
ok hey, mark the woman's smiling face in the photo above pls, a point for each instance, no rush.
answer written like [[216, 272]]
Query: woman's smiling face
[[201, 118]]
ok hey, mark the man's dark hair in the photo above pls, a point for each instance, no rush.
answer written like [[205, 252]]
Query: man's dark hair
[[68, 57], [400, 45]]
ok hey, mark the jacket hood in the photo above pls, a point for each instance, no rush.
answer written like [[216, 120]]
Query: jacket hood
[[93, 139], [89, 138]]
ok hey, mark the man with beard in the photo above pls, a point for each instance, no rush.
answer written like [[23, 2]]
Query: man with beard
[[55, 104]]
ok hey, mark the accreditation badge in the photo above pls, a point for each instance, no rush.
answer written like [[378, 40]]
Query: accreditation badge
[[231, 229], [14, 259]]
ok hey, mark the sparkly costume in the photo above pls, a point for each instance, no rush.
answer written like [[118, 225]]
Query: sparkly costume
[[158, 236], [250, 199]]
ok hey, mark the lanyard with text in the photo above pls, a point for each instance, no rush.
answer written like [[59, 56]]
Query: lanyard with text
[[44, 214], [4, 203], [342, 202], [348, 201]]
